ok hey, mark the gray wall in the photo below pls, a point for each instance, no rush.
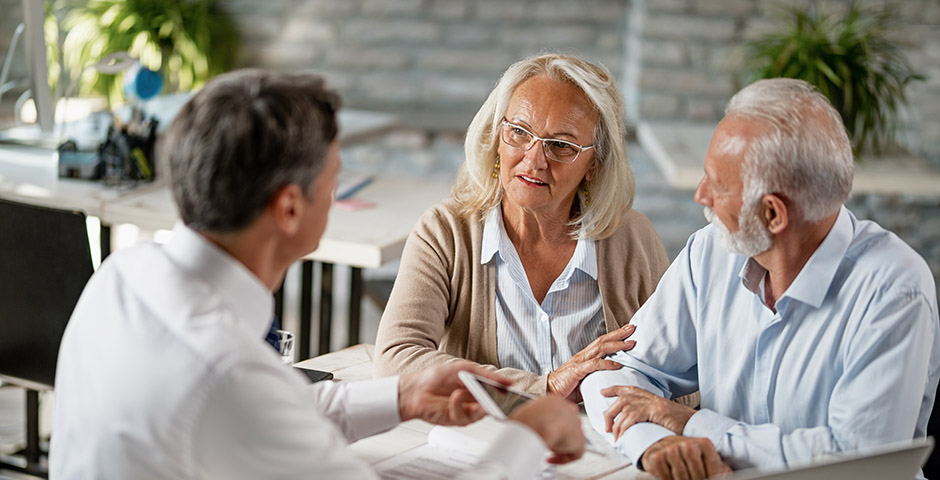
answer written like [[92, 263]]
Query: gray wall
[[683, 54], [437, 56]]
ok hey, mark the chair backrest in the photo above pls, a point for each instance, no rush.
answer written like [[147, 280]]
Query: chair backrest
[[45, 261]]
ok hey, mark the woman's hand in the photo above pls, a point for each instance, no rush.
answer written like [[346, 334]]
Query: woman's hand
[[566, 379]]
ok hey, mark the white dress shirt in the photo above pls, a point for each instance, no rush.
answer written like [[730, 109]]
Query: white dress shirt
[[849, 360], [163, 373], [540, 337]]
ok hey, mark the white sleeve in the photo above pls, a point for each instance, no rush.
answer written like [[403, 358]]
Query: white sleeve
[[261, 421]]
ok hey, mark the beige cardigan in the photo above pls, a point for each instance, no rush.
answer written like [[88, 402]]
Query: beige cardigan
[[442, 305]]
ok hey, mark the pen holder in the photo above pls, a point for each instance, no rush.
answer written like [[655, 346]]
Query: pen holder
[[127, 154]]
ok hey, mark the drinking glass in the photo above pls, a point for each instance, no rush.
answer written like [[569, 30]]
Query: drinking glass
[[285, 343]]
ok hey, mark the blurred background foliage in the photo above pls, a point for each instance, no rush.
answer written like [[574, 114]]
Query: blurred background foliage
[[852, 58]]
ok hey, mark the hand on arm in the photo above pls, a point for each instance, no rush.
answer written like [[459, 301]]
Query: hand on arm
[[565, 380], [635, 405], [556, 421], [683, 458], [437, 396]]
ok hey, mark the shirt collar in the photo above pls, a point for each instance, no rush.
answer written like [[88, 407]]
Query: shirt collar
[[812, 283], [496, 241], [492, 235], [250, 300]]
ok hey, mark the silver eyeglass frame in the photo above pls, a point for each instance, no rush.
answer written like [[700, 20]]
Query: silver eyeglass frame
[[548, 155]]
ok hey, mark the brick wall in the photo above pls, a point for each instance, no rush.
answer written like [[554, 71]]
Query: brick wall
[[683, 56], [439, 56]]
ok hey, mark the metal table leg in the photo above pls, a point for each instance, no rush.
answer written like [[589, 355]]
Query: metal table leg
[[326, 307], [306, 307], [355, 304]]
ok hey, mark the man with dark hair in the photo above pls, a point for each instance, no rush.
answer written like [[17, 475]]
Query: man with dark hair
[[809, 332], [163, 371]]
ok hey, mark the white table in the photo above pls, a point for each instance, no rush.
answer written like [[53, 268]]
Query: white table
[[355, 363]]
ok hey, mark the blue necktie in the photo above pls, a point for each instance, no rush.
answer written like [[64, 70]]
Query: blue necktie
[[272, 337]]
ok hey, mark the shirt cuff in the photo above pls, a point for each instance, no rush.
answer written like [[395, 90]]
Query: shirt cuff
[[518, 450], [373, 404], [709, 424], [640, 437]]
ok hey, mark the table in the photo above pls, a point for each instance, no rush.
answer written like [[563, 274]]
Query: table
[[355, 363], [365, 238]]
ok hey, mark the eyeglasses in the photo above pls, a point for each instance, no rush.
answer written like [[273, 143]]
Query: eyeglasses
[[558, 150]]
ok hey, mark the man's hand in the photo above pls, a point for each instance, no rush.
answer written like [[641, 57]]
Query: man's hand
[[556, 421], [565, 380], [437, 396], [635, 405], [683, 458]]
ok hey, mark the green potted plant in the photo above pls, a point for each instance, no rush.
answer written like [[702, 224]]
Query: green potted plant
[[851, 58], [188, 41]]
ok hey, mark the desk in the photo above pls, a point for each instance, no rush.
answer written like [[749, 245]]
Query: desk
[[355, 363]]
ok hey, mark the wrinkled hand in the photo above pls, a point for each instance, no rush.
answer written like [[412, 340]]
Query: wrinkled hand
[[683, 458], [556, 421], [437, 396], [635, 405], [565, 380]]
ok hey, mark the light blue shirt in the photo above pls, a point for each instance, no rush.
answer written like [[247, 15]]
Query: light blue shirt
[[848, 362], [541, 337]]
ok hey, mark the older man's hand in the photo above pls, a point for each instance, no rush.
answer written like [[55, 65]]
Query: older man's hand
[[683, 458], [565, 380], [635, 405]]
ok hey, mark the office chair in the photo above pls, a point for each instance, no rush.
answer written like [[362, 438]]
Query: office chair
[[45, 261]]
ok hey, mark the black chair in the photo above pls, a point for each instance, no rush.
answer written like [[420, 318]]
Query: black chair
[[45, 261]]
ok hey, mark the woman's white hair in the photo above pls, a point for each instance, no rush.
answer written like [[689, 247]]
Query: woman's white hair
[[612, 186], [803, 151]]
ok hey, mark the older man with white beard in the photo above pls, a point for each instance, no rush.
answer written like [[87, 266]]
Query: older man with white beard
[[807, 331]]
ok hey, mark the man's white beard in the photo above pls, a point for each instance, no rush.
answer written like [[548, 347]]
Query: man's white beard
[[751, 239]]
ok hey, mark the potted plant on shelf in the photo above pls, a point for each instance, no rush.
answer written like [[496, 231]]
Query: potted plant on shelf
[[188, 41], [852, 59]]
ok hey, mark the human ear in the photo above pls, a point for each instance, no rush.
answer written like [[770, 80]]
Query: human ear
[[774, 213], [286, 207]]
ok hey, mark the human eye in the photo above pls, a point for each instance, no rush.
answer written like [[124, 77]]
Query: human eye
[[561, 148]]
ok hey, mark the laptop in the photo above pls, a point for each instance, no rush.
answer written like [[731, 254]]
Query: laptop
[[897, 461]]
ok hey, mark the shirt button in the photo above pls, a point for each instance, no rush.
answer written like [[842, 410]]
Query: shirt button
[[544, 317]]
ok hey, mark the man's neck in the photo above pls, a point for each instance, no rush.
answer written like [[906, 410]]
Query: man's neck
[[789, 253], [257, 251]]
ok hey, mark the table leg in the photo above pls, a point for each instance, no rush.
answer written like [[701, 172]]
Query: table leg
[[306, 307], [326, 307], [279, 303], [355, 303], [105, 241], [32, 452]]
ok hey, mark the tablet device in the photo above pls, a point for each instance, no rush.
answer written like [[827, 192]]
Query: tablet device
[[314, 375], [497, 400], [500, 401]]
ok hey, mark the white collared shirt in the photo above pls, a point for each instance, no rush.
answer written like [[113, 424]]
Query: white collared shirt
[[541, 337], [163, 373]]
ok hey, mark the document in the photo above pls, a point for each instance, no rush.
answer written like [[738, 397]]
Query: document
[[451, 450], [447, 453]]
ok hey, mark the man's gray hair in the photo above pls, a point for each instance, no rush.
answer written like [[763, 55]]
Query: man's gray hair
[[243, 137], [802, 151]]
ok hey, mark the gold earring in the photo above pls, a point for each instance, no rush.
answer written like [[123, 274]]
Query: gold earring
[[587, 196], [496, 168]]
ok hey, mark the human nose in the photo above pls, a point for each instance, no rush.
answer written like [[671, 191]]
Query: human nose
[[701, 193], [536, 157]]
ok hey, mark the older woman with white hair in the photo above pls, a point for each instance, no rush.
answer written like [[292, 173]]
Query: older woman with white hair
[[537, 262]]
